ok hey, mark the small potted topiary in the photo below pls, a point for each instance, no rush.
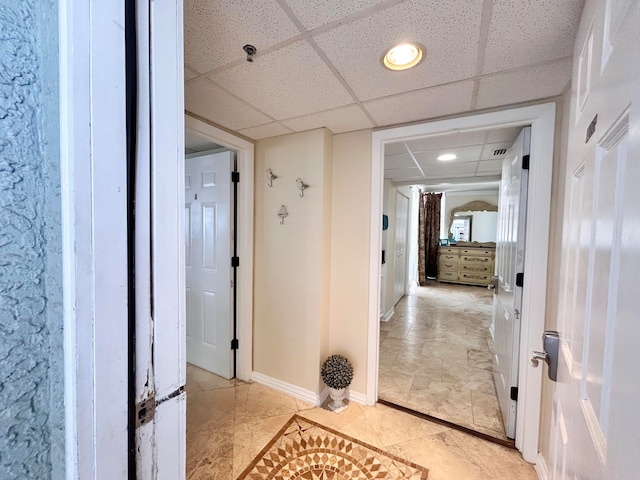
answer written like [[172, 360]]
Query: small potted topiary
[[337, 373]]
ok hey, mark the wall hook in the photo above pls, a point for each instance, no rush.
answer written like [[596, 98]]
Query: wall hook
[[270, 177], [283, 214], [301, 186]]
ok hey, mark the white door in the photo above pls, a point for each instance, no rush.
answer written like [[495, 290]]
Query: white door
[[509, 263], [402, 224], [595, 430], [208, 224]]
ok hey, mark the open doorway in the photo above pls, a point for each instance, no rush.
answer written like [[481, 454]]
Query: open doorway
[[542, 119], [436, 340]]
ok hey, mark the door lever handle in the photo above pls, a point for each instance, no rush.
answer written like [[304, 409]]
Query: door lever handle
[[534, 361]]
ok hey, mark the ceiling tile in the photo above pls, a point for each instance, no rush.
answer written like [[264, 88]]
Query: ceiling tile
[[273, 129], [524, 33], [401, 160], [421, 105], [493, 166], [403, 173], [504, 135], [449, 30], [216, 31], [211, 102], [315, 13], [489, 148], [345, 119], [450, 140], [450, 170], [465, 154], [290, 82], [197, 142], [394, 148], [189, 73], [526, 84]]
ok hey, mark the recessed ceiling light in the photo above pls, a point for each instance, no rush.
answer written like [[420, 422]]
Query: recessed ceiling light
[[445, 157], [402, 56]]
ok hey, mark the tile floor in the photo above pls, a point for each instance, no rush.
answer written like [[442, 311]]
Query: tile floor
[[435, 356], [229, 422]]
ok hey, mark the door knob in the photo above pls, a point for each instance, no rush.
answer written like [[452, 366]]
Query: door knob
[[551, 345]]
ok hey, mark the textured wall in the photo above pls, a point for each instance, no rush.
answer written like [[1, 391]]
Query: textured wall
[[31, 371]]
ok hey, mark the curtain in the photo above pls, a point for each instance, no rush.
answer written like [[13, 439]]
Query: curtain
[[428, 235]]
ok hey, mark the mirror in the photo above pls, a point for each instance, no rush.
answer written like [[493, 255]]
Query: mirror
[[474, 222]]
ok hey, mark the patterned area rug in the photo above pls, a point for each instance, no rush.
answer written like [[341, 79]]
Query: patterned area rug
[[305, 450]]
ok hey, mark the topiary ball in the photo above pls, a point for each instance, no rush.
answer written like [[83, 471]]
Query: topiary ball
[[337, 372]]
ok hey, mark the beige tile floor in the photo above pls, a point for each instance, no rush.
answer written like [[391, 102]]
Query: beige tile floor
[[435, 356], [229, 422]]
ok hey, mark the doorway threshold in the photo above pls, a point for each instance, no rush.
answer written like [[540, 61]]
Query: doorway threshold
[[505, 443]]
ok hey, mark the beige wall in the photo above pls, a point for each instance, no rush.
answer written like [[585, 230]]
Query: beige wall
[[292, 261], [350, 225]]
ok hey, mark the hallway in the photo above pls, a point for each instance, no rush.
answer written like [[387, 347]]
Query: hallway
[[435, 356], [229, 422]]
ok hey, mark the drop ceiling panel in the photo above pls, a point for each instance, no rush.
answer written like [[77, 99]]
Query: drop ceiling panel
[[427, 103], [401, 160], [403, 173], [465, 154], [489, 148], [189, 73], [523, 33], [394, 148], [448, 29], [197, 143], [216, 31], [441, 142], [265, 131], [214, 104], [493, 166], [451, 170], [523, 85], [314, 13], [291, 82], [508, 135], [340, 120]]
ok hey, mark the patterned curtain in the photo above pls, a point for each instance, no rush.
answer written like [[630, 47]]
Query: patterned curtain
[[428, 235]]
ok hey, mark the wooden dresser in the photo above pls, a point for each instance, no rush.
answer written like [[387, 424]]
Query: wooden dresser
[[466, 264]]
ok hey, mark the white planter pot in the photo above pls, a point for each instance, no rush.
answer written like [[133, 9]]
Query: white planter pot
[[337, 395]]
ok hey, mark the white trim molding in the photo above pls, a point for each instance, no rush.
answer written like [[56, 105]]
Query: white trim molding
[[541, 467], [245, 156], [387, 316], [542, 120], [289, 389]]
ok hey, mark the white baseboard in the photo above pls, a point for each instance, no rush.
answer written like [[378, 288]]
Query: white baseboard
[[387, 316], [541, 467], [357, 397], [289, 389]]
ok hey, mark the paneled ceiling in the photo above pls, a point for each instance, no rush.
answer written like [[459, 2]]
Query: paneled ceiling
[[318, 63]]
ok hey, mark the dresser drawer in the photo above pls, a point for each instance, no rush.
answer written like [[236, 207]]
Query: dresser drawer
[[475, 260], [476, 268], [449, 250], [475, 277], [477, 251], [446, 257], [446, 275], [447, 265]]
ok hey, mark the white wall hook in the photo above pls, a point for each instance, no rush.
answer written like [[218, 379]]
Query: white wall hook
[[283, 214], [301, 186], [270, 177]]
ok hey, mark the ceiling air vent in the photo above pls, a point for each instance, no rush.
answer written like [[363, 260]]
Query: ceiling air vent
[[500, 151]]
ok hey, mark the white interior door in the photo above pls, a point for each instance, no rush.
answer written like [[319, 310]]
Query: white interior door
[[509, 263], [208, 242], [595, 419], [402, 224]]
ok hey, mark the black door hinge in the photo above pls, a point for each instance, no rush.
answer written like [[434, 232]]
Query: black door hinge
[[525, 162], [514, 394], [235, 177], [235, 261], [519, 279], [234, 344]]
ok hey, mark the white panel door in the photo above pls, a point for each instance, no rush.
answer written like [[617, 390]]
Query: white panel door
[[595, 429], [510, 246], [208, 225], [402, 224]]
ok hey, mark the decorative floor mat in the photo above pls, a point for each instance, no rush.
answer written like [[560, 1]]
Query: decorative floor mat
[[305, 450]]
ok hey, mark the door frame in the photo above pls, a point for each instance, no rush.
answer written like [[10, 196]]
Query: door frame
[[244, 236], [406, 256], [541, 117]]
